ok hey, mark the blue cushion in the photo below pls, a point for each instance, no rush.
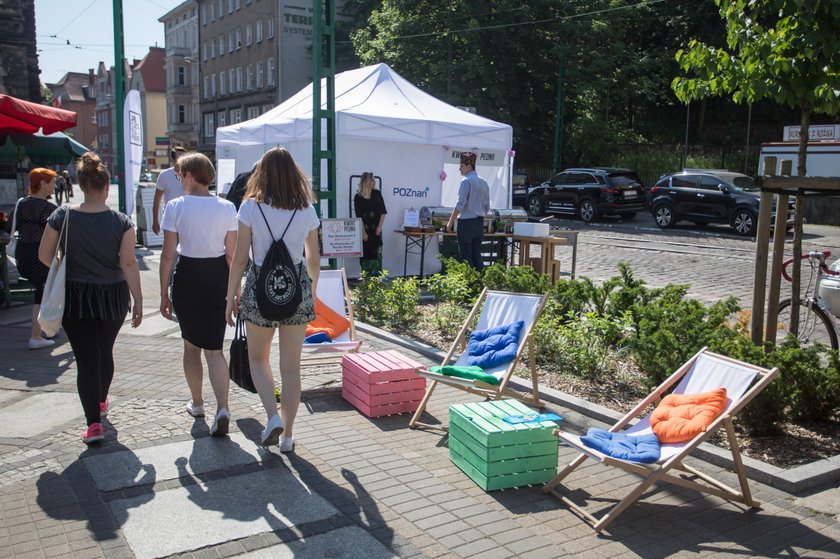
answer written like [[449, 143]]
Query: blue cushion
[[319, 338], [494, 346], [642, 448]]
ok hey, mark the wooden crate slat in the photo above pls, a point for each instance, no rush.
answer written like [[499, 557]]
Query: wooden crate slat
[[495, 453], [501, 482]]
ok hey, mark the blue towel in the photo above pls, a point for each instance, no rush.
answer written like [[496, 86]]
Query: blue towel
[[494, 346], [643, 448], [319, 338]]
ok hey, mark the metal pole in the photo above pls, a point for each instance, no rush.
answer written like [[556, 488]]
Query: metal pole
[[747, 145], [119, 98], [685, 145], [558, 119]]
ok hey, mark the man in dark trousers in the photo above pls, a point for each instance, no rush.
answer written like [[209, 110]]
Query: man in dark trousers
[[472, 205], [238, 187]]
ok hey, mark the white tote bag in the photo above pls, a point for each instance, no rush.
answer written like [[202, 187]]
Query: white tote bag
[[12, 246], [52, 305]]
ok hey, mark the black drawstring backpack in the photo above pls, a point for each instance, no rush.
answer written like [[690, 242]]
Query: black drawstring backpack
[[279, 291]]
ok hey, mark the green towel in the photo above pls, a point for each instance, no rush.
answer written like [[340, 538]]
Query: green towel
[[466, 371]]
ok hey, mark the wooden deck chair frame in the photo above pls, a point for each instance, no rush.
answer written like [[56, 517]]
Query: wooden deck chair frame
[[480, 388], [326, 353], [684, 475]]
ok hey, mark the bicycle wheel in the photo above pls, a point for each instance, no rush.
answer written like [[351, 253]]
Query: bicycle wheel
[[815, 326]]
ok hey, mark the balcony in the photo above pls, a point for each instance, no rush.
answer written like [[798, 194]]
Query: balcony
[[179, 51]]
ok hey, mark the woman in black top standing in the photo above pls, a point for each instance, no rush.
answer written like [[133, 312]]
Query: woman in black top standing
[[102, 273], [370, 207], [30, 220]]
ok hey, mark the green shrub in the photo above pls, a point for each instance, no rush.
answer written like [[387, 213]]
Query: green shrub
[[517, 279], [383, 301], [458, 283], [448, 318]]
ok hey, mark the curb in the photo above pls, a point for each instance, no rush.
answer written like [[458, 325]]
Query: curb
[[816, 475]]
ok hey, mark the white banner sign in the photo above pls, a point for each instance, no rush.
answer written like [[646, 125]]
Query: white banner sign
[[341, 237], [133, 131], [816, 133], [483, 157]]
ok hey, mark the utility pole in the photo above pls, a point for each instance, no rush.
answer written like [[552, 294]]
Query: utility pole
[[119, 98], [558, 119], [323, 66]]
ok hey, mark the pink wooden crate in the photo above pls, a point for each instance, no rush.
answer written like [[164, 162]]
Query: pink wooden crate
[[381, 382]]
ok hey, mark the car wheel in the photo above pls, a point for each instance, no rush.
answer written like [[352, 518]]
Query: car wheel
[[535, 206], [627, 216], [700, 222], [664, 216], [743, 223], [587, 210]]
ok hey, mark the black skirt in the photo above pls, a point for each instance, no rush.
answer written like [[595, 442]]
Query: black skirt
[[199, 287], [29, 267]]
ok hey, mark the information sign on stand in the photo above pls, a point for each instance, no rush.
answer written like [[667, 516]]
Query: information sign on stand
[[411, 218], [341, 238]]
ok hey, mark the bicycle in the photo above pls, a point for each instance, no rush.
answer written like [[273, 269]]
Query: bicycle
[[817, 324]]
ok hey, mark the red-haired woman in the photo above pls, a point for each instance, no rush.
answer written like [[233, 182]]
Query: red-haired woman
[[31, 216]]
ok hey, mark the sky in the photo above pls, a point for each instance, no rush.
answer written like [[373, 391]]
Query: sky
[[88, 26]]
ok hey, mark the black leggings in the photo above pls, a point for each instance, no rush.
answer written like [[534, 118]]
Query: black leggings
[[92, 340]]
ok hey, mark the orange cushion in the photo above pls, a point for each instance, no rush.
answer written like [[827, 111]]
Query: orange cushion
[[681, 417], [327, 321]]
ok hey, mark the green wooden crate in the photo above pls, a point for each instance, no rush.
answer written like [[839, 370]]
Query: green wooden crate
[[496, 454]]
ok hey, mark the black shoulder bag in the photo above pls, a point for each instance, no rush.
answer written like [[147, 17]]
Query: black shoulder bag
[[279, 291], [239, 367]]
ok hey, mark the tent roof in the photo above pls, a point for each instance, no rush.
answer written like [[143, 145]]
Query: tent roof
[[373, 103]]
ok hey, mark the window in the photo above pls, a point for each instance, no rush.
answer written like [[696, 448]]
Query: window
[[209, 126], [182, 114], [259, 30], [221, 44], [230, 6], [212, 12], [235, 116], [182, 75], [238, 5], [213, 85], [231, 44], [221, 118], [271, 26], [221, 9], [266, 108], [93, 118], [253, 112], [270, 71], [238, 38], [206, 87], [239, 79], [231, 82], [249, 77], [212, 49], [204, 51], [249, 35], [204, 15], [685, 181], [259, 74], [222, 86], [709, 183]]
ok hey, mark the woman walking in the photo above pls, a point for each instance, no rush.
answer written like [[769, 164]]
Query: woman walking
[[204, 229], [102, 274], [370, 207], [31, 214], [278, 198]]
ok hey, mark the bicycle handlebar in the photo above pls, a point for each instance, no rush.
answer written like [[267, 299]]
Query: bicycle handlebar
[[818, 255]]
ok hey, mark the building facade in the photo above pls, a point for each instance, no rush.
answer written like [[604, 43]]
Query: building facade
[[183, 114], [76, 92], [149, 78], [19, 72]]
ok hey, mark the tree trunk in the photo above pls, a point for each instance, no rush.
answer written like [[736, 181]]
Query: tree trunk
[[701, 119], [799, 216]]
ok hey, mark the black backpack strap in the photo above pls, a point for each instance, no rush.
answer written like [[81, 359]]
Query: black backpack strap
[[269, 227], [287, 225]]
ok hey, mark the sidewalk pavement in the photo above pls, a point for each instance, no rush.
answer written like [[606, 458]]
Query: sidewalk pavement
[[160, 486]]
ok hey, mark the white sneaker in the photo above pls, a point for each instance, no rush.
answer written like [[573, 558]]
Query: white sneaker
[[272, 431], [287, 444], [195, 411], [220, 424], [40, 343]]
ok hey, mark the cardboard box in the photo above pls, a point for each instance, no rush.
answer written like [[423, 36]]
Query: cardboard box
[[527, 229]]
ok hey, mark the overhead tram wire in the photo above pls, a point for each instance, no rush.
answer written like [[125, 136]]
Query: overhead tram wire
[[78, 15]]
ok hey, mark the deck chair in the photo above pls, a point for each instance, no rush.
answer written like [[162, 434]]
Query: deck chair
[[497, 308], [334, 291], [704, 372]]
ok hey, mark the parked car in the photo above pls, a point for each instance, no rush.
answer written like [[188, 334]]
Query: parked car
[[588, 193], [706, 196], [520, 185]]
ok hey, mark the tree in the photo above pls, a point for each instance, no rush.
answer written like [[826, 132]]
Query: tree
[[784, 50]]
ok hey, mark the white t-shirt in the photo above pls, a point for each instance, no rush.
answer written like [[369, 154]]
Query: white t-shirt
[[202, 222], [170, 184], [305, 220]]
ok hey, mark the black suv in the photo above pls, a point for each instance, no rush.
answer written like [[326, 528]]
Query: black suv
[[589, 193], [706, 196]]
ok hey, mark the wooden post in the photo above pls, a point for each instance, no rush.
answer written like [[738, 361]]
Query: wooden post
[[760, 276], [776, 268]]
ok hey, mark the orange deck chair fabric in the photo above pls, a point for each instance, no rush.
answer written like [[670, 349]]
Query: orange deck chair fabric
[[327, 321]]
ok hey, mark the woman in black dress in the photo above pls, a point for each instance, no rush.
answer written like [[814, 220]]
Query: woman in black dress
[[370, 207], [30, 220]]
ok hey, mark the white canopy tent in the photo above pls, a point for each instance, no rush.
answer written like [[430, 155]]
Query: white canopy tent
[[386, 125]]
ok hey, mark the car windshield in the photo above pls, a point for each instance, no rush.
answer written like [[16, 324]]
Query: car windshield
[[745, 183], [520, 180]]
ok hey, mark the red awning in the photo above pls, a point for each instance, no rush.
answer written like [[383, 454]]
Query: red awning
[[48, 118], [11, 124]]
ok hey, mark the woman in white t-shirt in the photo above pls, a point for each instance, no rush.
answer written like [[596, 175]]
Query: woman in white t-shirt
[[204, 229], [281, 190]]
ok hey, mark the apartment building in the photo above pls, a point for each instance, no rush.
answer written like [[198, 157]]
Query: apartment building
[[149, 78], [76, 92], [182, 66]]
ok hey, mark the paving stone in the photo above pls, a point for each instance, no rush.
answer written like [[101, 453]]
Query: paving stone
[[26, 418]]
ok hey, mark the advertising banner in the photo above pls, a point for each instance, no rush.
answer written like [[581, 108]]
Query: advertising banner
[[133, 127]]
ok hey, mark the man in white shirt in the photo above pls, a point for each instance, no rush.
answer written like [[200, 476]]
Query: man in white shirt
[[168, 187]]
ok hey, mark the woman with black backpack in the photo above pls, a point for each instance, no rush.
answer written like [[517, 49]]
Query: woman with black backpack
[[279, 226]]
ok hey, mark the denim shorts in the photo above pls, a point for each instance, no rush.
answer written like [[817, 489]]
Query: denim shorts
[[249, 311]]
